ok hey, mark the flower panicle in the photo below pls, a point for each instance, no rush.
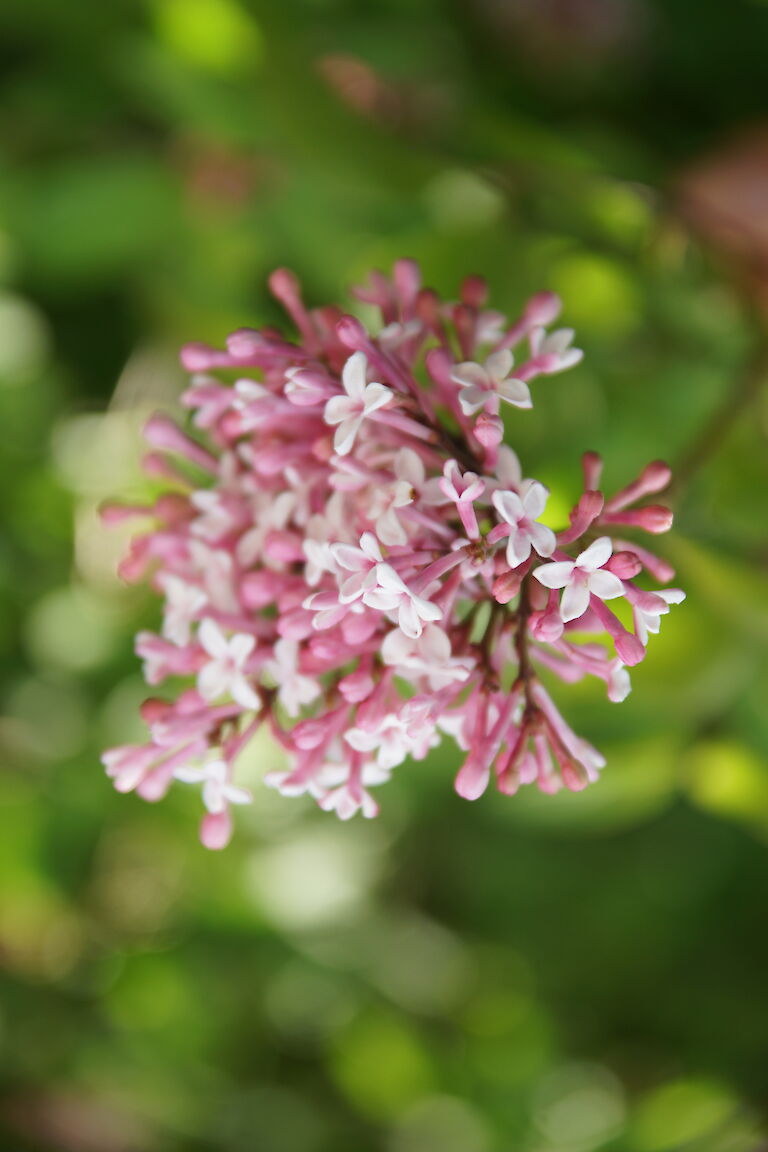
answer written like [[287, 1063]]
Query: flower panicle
[[348, 553]]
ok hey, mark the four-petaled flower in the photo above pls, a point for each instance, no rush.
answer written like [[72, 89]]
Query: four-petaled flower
[[218, 790], [362, 562], [646, 621], [556, 345], [521, 513], [581, 578], [361, 399], [293, 688], [483, 385], [224, 672], [393, 593]]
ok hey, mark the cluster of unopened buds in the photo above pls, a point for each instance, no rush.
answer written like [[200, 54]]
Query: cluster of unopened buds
[[350, 554]]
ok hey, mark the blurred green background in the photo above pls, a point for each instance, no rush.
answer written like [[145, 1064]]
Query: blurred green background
[[534, 974]]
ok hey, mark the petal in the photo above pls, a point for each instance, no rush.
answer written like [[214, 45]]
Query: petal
[[409, 466], [243, 694], [190, 775], [426, 609], [543, 539], [515, 392], [212, 796], [389, 579], [472, 399], [353, 375], [605, 585], [349, 557], [344, 436], [408, 619], [390, 530], [596, 555], [509, 506], [518, 548], [212, 681], [362, 740], [575, 602], [240, 647], [376, 396], [338, 409], [468, 373], [554, 575], [382, 600], [508, 468], [535, 500], [396, 648], [369, 545], [235, 795], [212, 638], [499, 364]]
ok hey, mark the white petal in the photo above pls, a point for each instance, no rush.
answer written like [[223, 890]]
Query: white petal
[[382, 600], [389, 579], [353, 375], [596, 555], [189, 775], [243, 694], [240, 647], [605, 585], [543, 539], [235, 795], [344, 436], [410, 467], [472, 399], [470, 374], [535, 500], [338, 409], [212, 638], [518, 548], [408, 619], [509, 506], [396, 648], [575, 602], [212, 681], [508, 468], [362, 740], [390, 530], [499, 364], [515, 392], [554, 575], [426, 609], [212, 797], [376, 396]]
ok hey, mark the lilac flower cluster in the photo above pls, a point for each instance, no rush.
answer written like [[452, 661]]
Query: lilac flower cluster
[[350, 554]]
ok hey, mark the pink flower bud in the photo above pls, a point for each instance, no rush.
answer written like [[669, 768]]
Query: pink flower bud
[[542, 309], [352, 334], [216, 829], [625, 565], [489, 430]]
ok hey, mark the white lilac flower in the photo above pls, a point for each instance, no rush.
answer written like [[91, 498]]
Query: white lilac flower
[[582, 578]]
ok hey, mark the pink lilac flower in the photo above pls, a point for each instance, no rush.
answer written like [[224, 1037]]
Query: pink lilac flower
[[350, 555]]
